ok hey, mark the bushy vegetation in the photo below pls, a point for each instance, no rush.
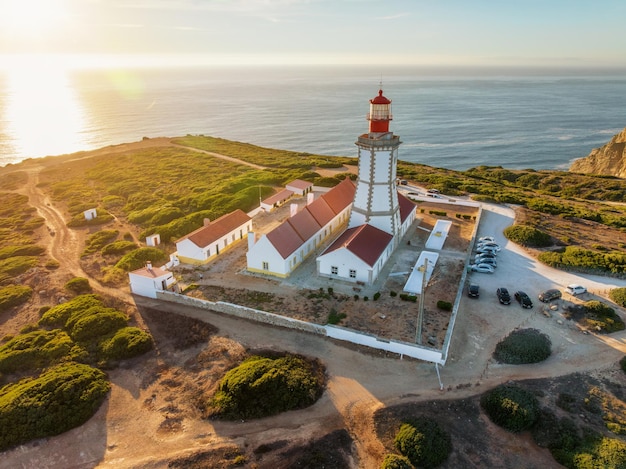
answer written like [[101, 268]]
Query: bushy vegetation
[[98, 240], [118, 247], [17, 265], [528, 236], [127, 342], [14, 295], [136, 259], [601, 318], [78, 285], [396, 461], [423, 442], [444, 305], [511, 407], [22, 250], [523, 346], [58, 315], [79, 219], [585, 260], [334, 317], [61, 398], [619, 296], [34, 350], [262, 386]]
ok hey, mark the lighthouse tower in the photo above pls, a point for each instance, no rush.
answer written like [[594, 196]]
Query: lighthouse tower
[[376, 199]]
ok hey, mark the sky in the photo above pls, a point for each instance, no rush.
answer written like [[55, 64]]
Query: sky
[[422, 32]]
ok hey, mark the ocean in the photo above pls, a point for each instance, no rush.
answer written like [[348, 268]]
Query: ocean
[[453, 118]]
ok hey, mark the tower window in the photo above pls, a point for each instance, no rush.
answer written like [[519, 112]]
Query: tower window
[[352, 273], [266, 266], [334, 270]]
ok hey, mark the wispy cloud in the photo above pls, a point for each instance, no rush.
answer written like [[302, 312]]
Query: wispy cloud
[[394, 17]]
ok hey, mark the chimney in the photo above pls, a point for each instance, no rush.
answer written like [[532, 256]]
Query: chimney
[[310, 197], [149, 265], [293, 209], [250, 239], [206, 222]]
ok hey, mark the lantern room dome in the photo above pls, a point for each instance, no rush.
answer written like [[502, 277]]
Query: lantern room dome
[[380, 99]]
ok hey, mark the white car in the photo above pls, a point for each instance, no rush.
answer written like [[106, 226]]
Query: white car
[[495, 246], [486, 250], [487, 239], [483, 268], [575, 289]]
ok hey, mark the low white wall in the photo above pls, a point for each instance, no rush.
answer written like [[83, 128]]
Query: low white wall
[[402, 348]]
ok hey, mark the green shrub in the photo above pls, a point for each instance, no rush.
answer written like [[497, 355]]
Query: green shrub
[[78, 285], [22, 250], [438, 213], [523, 346], [406, 297], [17, 265], [444, 305], [334, 317], [376, 295], [263, 386], [98, 325], [560, 435], [33, 350], [61, 398], [98, 240], [619, 296], [118, 247], [79, 219], [528, 236], [396, 461], [511, 407], [14, 295], [58, 315], [138, 258], [585, 260], [423, 442], [393, 293], [601, 318], [127, 342]]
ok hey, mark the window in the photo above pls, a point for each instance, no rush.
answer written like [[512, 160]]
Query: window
[[233, 238], [334, 270], [266, 265], [352, 273]]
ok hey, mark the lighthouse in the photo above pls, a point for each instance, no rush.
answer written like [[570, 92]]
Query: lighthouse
[[376, 198]]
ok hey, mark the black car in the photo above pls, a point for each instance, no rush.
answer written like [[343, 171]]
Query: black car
[[523, 299], [503, 296], [549, 295], [473, 291]]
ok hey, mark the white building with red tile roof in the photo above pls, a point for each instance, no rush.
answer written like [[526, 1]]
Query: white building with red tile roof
[[280, 251], [203, 244], [148, 280], [276, 200], [300, 187]]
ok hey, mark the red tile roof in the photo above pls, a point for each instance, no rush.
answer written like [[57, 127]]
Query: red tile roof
[[305, 224], [300, 184], [280, 197], [364, 241], [406, 206], [285, 239], [153, 272], [340, 196], [295, 231], [216, 229]]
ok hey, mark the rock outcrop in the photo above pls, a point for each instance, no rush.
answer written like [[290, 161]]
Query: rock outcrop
[[609, 159]]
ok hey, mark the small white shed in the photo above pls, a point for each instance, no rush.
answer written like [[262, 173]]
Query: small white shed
[[90, 214], [148, 280]]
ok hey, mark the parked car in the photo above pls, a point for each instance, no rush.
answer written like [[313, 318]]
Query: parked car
[[523, 299], [549, 295], [484, 255], [486, 250], [495, 246], [473, 291], [433, 191], [503, 296], [486, 260], [487, 239], [403, 182], [483, 268], [575, 289]]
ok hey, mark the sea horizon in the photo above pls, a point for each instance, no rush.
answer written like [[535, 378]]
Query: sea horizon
[[454, 117]]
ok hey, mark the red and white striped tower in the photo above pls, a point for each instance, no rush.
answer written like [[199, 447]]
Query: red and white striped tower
[[376, 198]]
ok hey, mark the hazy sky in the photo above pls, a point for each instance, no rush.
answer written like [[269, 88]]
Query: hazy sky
[[492, 32]]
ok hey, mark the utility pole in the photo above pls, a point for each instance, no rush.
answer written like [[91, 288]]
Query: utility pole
[[420, 313]]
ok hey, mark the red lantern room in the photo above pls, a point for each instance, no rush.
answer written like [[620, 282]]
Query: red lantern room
[[380, 113]]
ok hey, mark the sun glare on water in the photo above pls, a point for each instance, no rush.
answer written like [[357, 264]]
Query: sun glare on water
[[32, 19]]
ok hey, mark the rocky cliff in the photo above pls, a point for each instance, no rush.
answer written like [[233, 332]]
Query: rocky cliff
[[609, 159]]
